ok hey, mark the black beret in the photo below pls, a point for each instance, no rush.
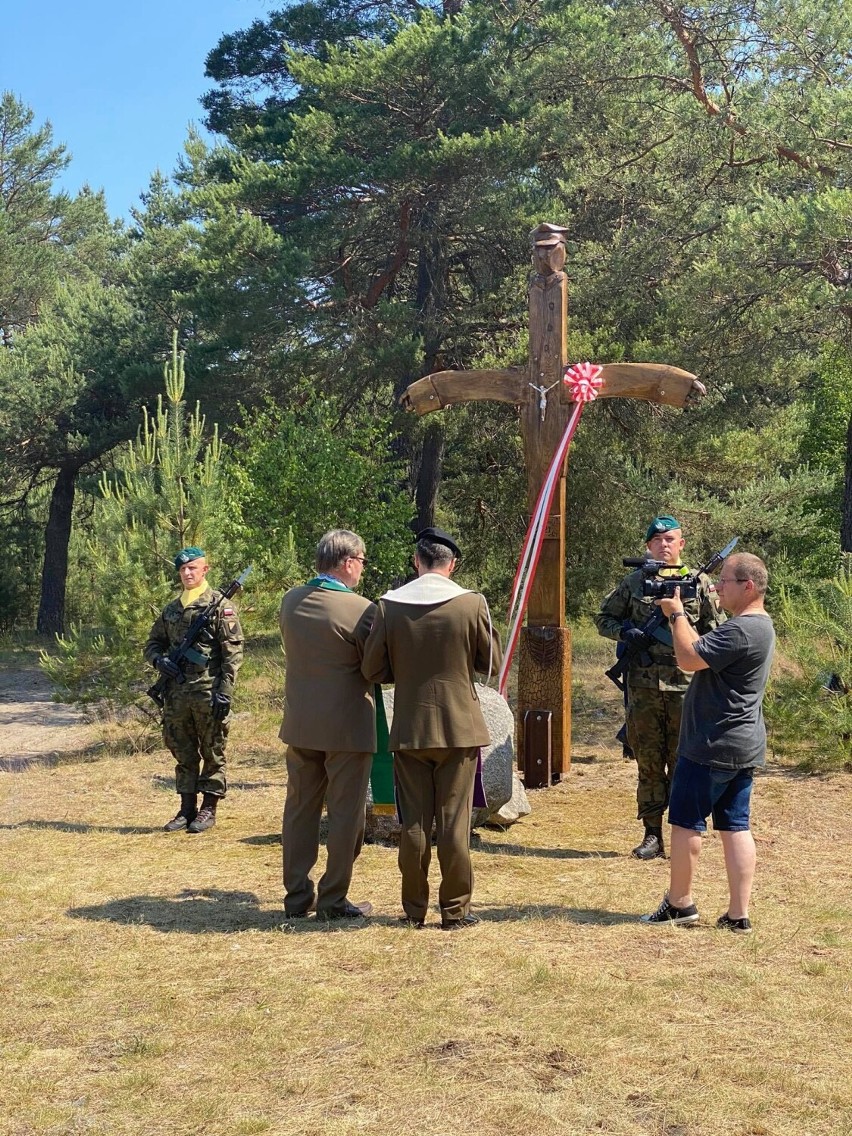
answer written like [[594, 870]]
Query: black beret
[[438, 536]]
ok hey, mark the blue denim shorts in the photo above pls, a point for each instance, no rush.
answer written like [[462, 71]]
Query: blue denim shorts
[[699, 791]]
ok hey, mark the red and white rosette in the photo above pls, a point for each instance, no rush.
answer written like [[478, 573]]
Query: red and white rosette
[[583, 381]]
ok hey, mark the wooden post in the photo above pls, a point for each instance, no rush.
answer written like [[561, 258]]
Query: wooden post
[[544, 665]]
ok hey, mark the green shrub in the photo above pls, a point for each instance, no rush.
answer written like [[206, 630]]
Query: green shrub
[[809, 705]]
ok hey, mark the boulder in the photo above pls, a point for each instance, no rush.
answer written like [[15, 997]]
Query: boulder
[[504, 792]]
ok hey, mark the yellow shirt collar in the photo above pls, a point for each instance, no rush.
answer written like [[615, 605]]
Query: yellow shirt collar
[[188, 597]]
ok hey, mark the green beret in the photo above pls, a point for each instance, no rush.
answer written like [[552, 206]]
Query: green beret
[[661, 525], [187, 554]]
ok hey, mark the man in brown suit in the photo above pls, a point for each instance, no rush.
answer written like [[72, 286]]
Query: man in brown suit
[[329, 727], [429, 637]]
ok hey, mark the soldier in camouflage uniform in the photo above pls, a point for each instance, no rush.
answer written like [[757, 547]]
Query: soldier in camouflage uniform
[[196, 713], [655, 684]]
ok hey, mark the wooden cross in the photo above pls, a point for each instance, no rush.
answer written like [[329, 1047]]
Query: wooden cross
[[544, 677]]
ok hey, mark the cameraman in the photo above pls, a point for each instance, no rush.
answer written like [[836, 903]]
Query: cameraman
[[722, 741], [655, 684]]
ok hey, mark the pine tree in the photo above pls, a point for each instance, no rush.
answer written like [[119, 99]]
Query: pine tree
[[164, 494]]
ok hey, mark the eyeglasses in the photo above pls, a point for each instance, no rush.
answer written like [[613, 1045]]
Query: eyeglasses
[[732, 580], [363, 559]]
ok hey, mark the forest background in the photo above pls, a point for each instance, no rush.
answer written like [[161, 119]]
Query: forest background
[[363, 220]]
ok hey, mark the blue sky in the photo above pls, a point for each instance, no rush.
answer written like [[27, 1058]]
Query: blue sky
[[119, 82]]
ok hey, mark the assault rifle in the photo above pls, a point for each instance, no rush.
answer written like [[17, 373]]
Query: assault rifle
[[185, 649], [661, 588]]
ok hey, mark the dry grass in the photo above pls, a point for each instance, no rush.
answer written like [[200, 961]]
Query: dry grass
[[153, 987]]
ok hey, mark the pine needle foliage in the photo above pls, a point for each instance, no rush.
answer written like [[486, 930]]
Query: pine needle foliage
[[166, 493]]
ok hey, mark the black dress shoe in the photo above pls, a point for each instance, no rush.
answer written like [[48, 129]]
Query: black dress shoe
[[407, 921], [348, 911], [459, 924], [301, 914]]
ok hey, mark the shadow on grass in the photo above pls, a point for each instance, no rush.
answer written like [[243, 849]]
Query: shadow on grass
[[211, 911], [161, 781], [594, 916], [477, 844], [492, 849], [792, 772], [22, 763], [206, 911], [74, 826]]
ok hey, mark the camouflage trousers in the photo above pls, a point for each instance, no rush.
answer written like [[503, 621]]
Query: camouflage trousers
[[196, 742], [653, 726]]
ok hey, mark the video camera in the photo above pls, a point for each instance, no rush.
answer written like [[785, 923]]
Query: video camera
[[660, 589], [665, 588], [688, 583]]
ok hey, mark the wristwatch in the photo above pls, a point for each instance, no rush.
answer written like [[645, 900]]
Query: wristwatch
[[675, 616]]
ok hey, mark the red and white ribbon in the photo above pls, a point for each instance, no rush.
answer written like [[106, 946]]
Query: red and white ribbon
[[584, 383]]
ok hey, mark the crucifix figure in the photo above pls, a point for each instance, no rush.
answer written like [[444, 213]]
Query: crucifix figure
[[543, 392], [544, 674]]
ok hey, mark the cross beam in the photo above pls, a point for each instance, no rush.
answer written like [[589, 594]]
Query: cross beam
[[544, 678]]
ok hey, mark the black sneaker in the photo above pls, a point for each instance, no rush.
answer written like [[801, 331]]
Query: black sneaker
[[738, 926], [668, 913]]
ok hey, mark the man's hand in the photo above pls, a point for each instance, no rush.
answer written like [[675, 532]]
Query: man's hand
[[635, 637], [670, 606], [220, 705], [166, 667]]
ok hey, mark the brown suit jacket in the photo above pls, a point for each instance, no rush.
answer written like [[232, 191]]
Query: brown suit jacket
[[430, 653], [328, 704]]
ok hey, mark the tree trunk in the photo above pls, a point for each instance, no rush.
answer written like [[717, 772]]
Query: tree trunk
[[429, 475], [846, 510], [54, 576], [430, 305]]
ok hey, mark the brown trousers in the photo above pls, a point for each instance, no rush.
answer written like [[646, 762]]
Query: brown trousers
[[435, 785], [339, 777]]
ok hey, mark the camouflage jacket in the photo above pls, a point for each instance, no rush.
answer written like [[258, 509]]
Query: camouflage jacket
[[220, 646], [625, 603]]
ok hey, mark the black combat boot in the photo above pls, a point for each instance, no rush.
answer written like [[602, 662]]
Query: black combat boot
[[186, 813], [651, 846], [206, 814]]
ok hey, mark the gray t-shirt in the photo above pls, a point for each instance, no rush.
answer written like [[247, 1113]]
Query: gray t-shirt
[[722, 723]]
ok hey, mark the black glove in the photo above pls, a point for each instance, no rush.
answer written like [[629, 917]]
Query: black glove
[[635, 637], [166, 667], [220, 706]]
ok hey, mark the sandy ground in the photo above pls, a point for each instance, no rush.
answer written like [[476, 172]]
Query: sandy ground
[[33, 729]]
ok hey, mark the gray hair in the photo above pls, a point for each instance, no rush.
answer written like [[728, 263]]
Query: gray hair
[[337, 546], [750, 567], [431, 554]]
